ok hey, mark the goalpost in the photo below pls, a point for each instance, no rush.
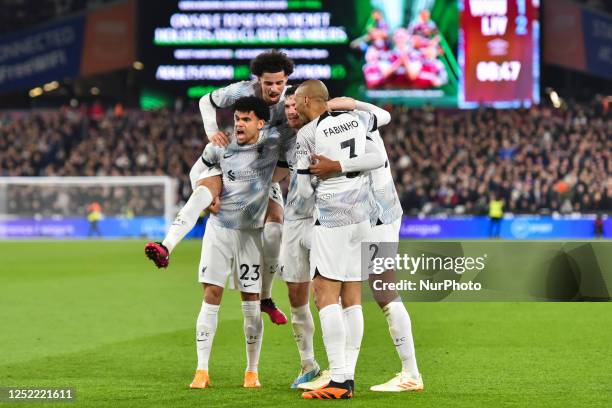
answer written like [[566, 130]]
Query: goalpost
[[116, 206]]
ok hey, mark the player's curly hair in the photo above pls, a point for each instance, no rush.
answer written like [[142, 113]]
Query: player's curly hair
[[272, 61], [252, 104]]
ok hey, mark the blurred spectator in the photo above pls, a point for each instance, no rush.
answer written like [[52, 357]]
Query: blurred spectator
[[539, 160], [94, 215], [599, 226], [496, 214]]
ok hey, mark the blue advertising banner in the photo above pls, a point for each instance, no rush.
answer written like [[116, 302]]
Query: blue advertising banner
[[528, 227], [111, 227], [598, 42], [31, 58]]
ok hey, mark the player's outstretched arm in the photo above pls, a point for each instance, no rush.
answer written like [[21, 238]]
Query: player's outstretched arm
[[304, 184], [220, 98], [346, 103], [209, 117], [282, 166], [372, 159]]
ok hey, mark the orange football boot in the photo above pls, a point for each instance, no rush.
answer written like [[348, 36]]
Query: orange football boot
[[251, 380], [201, 380]]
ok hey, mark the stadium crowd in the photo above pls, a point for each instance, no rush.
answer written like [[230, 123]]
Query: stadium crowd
[[538, 160]]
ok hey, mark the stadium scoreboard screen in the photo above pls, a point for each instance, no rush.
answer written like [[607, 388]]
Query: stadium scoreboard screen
[[499, 52], [454, 53], [192, 47]]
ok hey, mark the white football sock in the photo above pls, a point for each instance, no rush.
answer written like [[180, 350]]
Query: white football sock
[[272, 235], [334, 338], [303, 333], [253, 333], [401, 334], [353, 321], [187, 217], [206, 327]]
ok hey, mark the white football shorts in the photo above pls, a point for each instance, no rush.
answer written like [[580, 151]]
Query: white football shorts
[[295, 250], [336, 252], [388, 234], [236, 254]]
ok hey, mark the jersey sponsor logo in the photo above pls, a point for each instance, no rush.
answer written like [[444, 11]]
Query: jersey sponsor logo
[[299, 151], [344, 127], [245, 174]]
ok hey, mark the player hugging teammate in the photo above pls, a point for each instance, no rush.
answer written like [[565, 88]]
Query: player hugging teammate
[[341, 194]]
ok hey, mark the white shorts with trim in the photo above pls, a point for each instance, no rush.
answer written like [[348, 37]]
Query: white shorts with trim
[[336, 252], [276, 194], [295, 250], [387, 234], [231, 253]]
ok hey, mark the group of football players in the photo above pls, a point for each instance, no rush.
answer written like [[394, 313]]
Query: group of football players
[[340, 195]]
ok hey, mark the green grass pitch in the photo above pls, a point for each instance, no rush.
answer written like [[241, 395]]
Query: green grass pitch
[[99, 317]]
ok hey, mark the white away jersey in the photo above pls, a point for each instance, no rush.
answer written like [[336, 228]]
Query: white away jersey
[[227, 96], [247, 175], [340, 200], [296, 207], [386, 204]]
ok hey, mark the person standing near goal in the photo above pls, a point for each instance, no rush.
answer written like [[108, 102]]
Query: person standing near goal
[[341, 224]]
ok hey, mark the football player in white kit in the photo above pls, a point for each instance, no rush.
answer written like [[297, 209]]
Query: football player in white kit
[[342, 223], [386, 222], [272, 69], [295, 246], [232, 244]]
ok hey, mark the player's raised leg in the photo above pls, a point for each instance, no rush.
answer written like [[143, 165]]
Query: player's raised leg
[[205, 190]]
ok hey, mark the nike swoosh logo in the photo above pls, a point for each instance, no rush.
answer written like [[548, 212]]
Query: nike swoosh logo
[[246, 286], [225, 156], [251, 342]]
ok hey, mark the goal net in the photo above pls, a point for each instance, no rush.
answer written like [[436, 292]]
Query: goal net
[[79, 207]]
